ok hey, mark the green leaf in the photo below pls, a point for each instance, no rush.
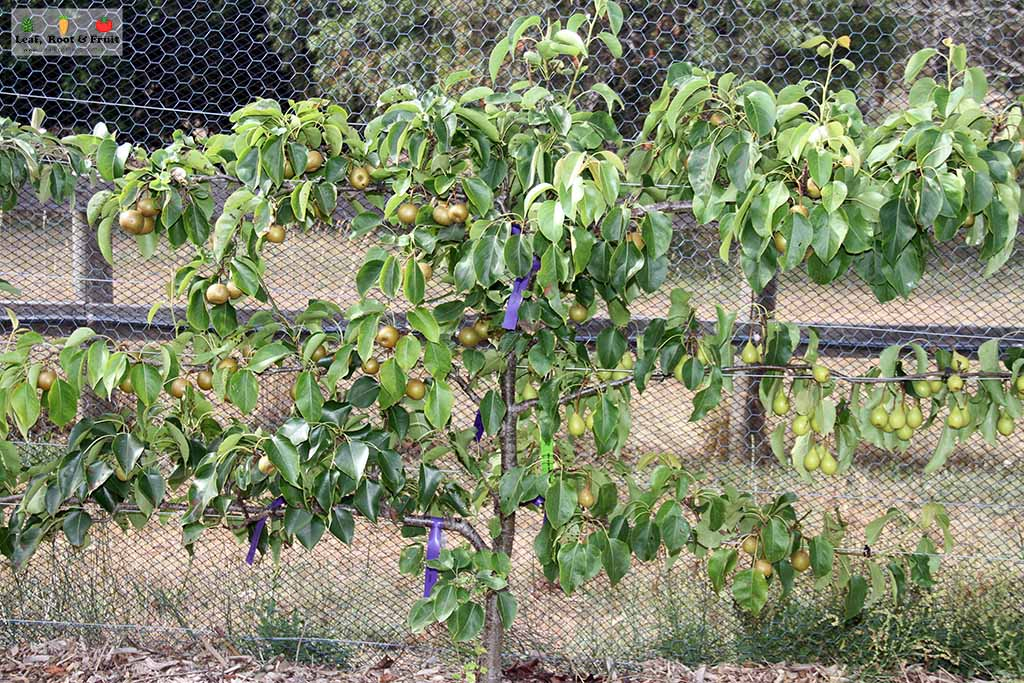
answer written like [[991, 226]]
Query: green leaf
[[367, 499], [243, 390], [146, 383], [507, 608], [284, 456], [488, 260], [423, 320], [62, 403], [759, 107], [342, 524], [266, 356], [980, 191], [492, 411], [439, 403], [407, 353], [76, 527], [80, 335], [351, 459], [127, 449], [445, 600], [645, 538], [480, 196], [308, 398], [720, 565], [466, 622], [437, 359], [110, 158], [413, 283], [616, 558], [776, 540], [750, 590], [947, 440], [559, 502], [917, 62], [550, 218], [498, 55], [855, 596], [577, 564], [421, 615], [822, 553]]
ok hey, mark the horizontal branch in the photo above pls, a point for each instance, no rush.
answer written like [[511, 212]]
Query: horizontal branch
[[240, 513], [523, 406], [454, 524], [666, 207], [772, 370]]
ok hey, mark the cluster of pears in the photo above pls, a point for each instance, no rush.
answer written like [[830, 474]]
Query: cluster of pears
[[443, 213], [314, 160], [204, 378], [622, 369], [140, 219], [220, 293], [751, 545], [819, 457], [754, 355], [387, 338], [478, 333], [899, 419], [579, 423]]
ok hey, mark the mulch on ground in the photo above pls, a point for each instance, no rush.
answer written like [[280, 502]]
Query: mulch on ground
[[72, 661]]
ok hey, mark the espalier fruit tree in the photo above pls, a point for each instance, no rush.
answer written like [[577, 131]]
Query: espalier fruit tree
[[514, 230]]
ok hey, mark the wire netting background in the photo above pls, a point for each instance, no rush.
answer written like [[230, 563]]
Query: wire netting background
[[187, 65]]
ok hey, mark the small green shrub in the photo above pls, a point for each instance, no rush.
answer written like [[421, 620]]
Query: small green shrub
[[285, 634], [969, 624]]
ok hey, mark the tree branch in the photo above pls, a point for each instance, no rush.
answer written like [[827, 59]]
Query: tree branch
[[667, 207], [464, 385], [523, 406], [240, 513]]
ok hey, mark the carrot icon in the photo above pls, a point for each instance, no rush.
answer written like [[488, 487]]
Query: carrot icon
[[62, 25]]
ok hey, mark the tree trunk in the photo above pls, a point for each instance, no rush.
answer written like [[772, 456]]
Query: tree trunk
[[756, 437], [492, 638]]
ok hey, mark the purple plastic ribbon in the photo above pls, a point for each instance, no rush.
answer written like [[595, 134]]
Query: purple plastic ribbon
[[433, 552], [478, 424], [257, 531], [519, 287]]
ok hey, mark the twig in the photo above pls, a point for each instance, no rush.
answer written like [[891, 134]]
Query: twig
[[668, 207], [464, 384]]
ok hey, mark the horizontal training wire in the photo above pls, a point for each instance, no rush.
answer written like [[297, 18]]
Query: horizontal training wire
[[187, 630], [106, 103]]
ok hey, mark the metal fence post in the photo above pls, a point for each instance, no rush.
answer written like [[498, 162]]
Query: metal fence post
[[93, 277]]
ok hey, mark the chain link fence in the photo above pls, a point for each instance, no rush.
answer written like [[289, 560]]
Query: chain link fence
[[188, 65]]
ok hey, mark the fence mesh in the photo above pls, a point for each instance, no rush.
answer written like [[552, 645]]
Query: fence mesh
[[188, 64]]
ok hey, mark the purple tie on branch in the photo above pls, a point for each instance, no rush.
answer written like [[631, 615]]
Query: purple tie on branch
[[519, 287], [478, 425], [257, 531], [433, 552]]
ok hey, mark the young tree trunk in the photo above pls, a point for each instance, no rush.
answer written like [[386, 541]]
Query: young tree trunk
[[492, 638]]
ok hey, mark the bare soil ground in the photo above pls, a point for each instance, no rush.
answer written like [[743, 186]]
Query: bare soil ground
[[69, 661]]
